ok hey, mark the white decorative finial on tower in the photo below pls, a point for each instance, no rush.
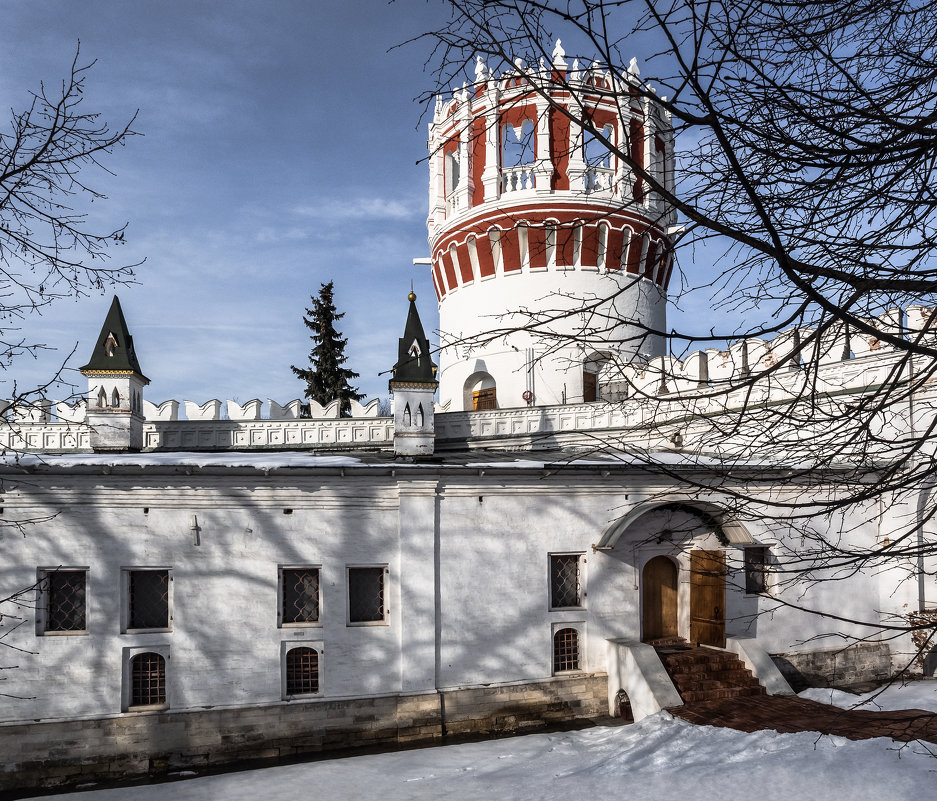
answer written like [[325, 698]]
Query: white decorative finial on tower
[[481, 70], [633, 68], [519, 63], [574, 72], [559, 55]]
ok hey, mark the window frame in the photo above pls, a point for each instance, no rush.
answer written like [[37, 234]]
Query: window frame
[[161, 649], [281, 597], [385, 607], [288, 645], [43, 598], [125, 573], [751, 568], [580, 628], [581, 561]]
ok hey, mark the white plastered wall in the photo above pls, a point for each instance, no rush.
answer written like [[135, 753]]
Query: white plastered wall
[[549, 363]]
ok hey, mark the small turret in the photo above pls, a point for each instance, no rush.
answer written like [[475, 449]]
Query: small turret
[[413, 386], [115, 387]]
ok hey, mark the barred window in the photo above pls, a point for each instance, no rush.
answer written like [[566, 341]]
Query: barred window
[[299, 597], [756, 570], [565, 581], [302, 671], [147, 680], [64, 592], [149, 599], [365, 594], [565, 650]]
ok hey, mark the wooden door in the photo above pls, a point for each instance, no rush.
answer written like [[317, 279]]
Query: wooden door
[[659, 599], [708, 598], [485, 399]]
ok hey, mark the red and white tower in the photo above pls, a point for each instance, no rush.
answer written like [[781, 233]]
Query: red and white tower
[[534, 220]]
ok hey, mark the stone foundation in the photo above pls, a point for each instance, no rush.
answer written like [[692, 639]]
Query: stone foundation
[[836, 667], [154, 743]]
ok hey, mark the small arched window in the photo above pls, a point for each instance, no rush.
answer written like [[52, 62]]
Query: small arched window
[[102, 398], [115, 398], [302, 671], [147, 680], [565, 650], [406, 415], [419, 416]]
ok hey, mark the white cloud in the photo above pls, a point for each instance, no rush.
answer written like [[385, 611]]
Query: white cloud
[[374, 208]]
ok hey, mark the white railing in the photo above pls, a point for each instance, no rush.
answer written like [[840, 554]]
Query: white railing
[[453, 202], [598, 179], [515, 179]]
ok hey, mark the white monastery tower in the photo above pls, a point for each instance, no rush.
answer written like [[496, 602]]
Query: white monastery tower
[[530, 216]]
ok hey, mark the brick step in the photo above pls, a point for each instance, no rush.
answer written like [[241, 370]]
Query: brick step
[[705, 674], [704, 667], [733, 678], [694, 656], [714, 684], [691, 696]]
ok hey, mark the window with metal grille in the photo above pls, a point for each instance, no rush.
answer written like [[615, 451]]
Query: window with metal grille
[[302, 671], [565, 650], [756, 570], [565, 582], [147, 680], [149, 599], [64, 592], [299, 598], [365, 594]]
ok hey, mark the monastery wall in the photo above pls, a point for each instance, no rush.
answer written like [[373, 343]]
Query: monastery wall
[[468, 614], [474, 546]]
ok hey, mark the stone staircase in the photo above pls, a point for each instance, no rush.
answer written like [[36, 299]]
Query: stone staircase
[[707, 674]]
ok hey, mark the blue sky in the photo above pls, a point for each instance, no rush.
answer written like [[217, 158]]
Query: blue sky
[[282, 149]]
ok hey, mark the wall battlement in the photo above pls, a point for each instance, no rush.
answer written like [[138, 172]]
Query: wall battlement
[[698, 385]]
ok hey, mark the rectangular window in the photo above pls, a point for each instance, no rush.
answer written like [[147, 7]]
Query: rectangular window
[[62, 594], [756, 570], [299, 596], [565, 581], [148, 593], [366, 595]]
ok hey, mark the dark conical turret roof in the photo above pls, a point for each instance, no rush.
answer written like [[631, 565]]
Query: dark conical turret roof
[[414, 365], [113, 349]]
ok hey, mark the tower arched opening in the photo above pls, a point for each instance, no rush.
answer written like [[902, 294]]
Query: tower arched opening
[[480, 392]]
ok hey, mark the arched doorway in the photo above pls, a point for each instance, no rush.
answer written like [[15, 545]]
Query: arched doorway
[[658, 599]]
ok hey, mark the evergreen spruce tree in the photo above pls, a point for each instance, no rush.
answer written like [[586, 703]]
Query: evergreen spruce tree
[[326, 379]]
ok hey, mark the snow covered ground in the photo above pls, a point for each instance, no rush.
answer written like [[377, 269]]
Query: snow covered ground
[[660, 758]]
